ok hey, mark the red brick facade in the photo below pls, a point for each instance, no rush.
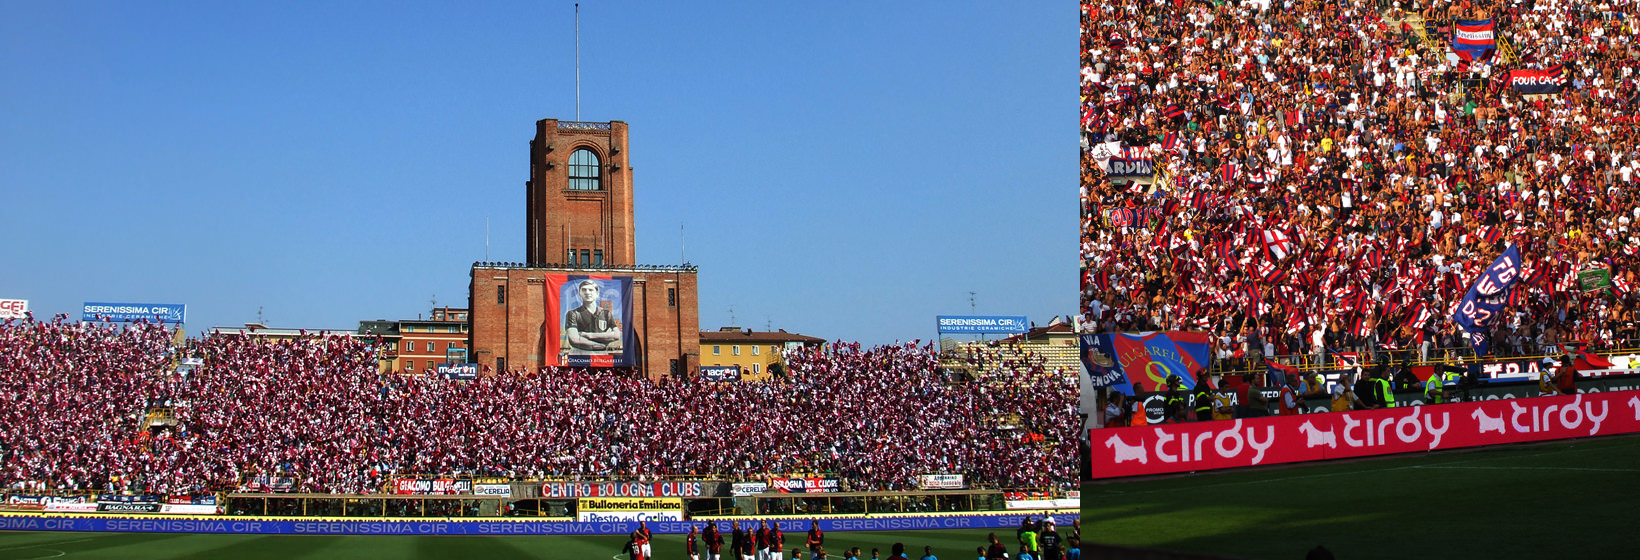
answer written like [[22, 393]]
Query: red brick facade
[[559, 217], [509, 314]]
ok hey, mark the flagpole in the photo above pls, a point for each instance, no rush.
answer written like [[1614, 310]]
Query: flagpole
[[577, 62]]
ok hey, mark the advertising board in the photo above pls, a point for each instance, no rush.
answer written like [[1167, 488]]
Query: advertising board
[[940, 482], [96, 311], [983, 324], [1249, 442], [630, 509], [498, 490], [748, 488], [720, 373], [465, 372], [262, 526], [13, 309]]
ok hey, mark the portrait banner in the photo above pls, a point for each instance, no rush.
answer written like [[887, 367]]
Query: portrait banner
[[589, 321]]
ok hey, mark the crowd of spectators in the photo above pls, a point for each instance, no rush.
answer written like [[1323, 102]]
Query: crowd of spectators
[[317, 410], [1332, 176]]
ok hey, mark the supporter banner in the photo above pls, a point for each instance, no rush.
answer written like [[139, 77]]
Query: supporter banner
[[1548, 80], [940, 482], [1309, 437], [1472, 39], [1133, 217], [1124, 167], [1146, 358], [467, 372], [589, 321], [128, 312], [431, 486], [71, 507], [1595, 279], [681, 489], [876, 522], [1097, 364], [975, 324], [748, 488], [720, 373], [810, 485], [1481, 305], [502, 490], [13, 309]]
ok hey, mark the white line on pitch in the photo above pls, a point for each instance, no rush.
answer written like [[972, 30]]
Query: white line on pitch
[[1528, 468]]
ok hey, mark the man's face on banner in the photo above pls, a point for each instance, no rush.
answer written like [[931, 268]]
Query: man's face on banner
[[589, 292]]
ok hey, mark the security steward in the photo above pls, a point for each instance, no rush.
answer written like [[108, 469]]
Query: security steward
[[1384, 394], [1435, 386]]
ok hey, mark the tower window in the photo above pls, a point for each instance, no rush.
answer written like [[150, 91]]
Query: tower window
[[583, 171], [597, 257], [500, 295], [672, 297]]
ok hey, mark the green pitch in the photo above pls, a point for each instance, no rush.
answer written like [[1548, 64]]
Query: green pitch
[[948, 545], [1554, 500]]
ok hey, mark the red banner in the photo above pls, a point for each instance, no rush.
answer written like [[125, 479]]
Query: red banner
[[1288, 439]]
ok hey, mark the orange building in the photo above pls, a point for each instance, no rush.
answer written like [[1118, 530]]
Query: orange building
[[425, 343]]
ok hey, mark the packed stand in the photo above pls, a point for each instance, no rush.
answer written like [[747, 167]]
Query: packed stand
[[317, 410], [1330, 179]]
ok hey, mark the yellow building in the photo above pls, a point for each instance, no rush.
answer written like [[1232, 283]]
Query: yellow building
[[754, 352]]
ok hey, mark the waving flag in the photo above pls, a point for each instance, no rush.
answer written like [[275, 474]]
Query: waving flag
[[1472, 39], [1278, 244], [1479, 310]]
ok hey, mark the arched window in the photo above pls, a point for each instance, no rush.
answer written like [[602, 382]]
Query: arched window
[[583, 171]]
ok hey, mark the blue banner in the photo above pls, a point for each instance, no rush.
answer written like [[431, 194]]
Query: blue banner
[[1099, 362], [1483, 303], [466, 372], [720, 373], [1121, 359], [982, 324], [96, 311], [496, 526]]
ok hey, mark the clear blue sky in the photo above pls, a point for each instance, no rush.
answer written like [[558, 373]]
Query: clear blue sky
[[847, 170]]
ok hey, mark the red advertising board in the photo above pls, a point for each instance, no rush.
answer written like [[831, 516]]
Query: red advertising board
[[1226, 444]]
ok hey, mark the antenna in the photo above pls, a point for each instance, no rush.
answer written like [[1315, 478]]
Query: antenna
[[577, 62], [971, 302], [683, 245], [434, 301], [259, 319], [486, 239], [732, 316], [768, 324]]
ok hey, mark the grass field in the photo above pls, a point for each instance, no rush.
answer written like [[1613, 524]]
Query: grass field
[[953, 544], [1576, 499]]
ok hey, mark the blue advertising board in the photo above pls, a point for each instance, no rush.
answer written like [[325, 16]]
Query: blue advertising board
[[97, 311], [720, 373], [467, 371], [498, 526], [983, 324]]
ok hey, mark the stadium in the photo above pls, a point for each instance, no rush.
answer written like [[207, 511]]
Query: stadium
[[1377, 257]]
